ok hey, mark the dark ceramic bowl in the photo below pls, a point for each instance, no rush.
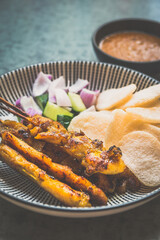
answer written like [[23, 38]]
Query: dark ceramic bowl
[[140, 25]]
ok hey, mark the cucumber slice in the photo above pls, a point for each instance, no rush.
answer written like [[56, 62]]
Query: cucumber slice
[[42, 100], [76, 101], [52, 110], [64, 120]]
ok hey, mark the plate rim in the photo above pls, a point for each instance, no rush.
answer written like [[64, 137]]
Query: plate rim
[[80, 214], [154, 193], [79, 61]]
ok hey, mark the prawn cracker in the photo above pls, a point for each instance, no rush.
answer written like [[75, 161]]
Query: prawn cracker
[[113, 98], [93, 124], [144, 97], [123, 123], [151, 115], [141, 154]]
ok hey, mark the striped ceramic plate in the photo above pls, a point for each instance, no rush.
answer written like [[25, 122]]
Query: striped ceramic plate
[[25, 193]]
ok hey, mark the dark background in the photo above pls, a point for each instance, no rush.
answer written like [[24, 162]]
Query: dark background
[[42, 31]]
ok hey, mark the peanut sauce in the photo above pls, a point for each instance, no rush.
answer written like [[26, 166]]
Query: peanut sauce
[[132, 46]]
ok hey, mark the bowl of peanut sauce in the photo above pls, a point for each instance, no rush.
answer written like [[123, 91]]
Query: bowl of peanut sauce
[[133, 43]]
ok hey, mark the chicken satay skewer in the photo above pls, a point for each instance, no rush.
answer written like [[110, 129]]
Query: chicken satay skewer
[[91, 153], [93, 159], [61, 172], [61, 191]]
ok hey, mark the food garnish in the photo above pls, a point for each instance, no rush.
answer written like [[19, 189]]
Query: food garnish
[[76, 101], [78, 86], [52, 111], [41, 84], [54, 97], [29, 106], [89, 97]]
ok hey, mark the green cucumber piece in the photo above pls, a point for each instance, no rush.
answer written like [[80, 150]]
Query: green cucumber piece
[[76, 101], [52, 110], [64, 120], [42, 100], [19, 119]]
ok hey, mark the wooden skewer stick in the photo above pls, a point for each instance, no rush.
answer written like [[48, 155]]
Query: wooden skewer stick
[[14, 112], [2, 100]]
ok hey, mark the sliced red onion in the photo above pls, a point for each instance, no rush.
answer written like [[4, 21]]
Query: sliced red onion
[[41, 84], [32, 112], [49, 76], [78, 86], [18, 103], [52, 98], [89, 97], [51, 95], [29, 103], [66, 89], [57, 83], [97, 92], [62, 98]]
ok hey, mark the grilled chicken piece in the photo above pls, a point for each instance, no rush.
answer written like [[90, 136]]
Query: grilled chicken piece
[[61, 191], [62, 173], [61, 157], [91, 153], [117, 183], [127, 181], [13, 126], [105, 182], [21, 131]]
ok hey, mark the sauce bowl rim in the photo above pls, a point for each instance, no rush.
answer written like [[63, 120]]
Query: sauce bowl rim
[[96, 32]]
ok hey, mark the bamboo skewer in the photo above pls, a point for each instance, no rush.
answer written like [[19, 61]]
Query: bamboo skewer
[[61, 172], [16, 111]]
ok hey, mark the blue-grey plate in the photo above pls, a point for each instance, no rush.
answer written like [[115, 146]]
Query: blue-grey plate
[[23, 192]]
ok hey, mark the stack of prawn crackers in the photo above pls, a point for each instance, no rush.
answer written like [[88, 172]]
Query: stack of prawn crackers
[[130, 120]]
